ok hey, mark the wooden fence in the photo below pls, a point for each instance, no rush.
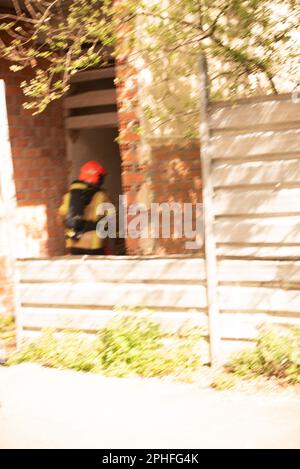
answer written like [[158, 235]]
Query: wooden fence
[[84, 294], [254, 172], [256, 177]]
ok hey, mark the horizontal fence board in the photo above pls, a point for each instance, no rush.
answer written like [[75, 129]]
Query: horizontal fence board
[[256, 172], [259, 143], [242, 201], [237, 326], [233, 326], [245, 326], [87, 320], [257, 128], [259, 299], [249, 99], [267, 252], [121, 270], [247, 115], [111, 295], [258, 271], [157, 270], [267, 230]]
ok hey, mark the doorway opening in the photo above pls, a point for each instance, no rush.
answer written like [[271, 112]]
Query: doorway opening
[[92, 129]]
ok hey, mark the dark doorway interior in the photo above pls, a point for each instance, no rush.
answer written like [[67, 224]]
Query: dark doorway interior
[[92, 130]]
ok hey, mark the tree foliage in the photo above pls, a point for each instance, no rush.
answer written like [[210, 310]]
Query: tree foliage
[[247, 44]]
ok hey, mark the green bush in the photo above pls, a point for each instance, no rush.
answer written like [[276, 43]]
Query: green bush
[[125, 346], [72, 350], [277, 354]]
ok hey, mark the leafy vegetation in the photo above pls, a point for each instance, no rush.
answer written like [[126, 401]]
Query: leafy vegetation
[[125, 346], [223, 381], [277, 354], [7, 329], [136, 346], [247, 44]]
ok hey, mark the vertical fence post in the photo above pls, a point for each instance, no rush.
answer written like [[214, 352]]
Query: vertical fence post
[[210, 244]]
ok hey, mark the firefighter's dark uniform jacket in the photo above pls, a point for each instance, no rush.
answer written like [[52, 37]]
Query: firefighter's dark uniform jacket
[[89, 239]]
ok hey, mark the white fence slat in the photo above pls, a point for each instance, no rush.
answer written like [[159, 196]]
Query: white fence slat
[[256, 172], [259, 299], [164, 269], [247, 115], [278, 230], [121, 270], [244, 201], [111, 295], [88, 320], [258, 271], [260, 251], [283, 143]]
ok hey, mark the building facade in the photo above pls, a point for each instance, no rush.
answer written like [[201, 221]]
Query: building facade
[[48, 149]]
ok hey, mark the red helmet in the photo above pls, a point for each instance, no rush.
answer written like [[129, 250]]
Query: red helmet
[[91, 172]]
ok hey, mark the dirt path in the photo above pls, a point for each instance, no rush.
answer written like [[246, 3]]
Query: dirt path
[[46, 408]]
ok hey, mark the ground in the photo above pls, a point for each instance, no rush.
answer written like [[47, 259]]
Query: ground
[[48, 408]]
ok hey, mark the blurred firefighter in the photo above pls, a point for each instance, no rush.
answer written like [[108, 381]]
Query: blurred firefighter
[[79, 211]]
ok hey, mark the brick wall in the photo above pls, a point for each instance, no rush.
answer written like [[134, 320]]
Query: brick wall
[[135, 167], [154, 171], [40, 170], [40, 177], [176, 178]]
